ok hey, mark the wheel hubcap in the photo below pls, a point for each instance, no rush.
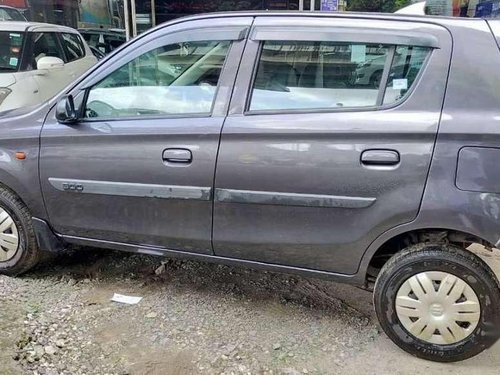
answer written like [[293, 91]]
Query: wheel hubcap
[[9, 237], [438, 307]]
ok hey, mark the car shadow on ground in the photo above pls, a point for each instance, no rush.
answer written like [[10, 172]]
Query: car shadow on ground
[[112, 267]]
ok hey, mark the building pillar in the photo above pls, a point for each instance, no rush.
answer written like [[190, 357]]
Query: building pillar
[[126, 19], [153, 13], [134, 18]]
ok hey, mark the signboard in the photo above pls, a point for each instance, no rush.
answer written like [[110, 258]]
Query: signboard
[[329, 5], [94, 12]]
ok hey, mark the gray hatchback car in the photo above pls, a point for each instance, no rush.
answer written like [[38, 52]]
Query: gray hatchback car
[[253, 139]]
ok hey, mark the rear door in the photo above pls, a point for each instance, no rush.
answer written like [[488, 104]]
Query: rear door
[[329, 138]]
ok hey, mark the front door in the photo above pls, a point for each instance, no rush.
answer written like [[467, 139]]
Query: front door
[[329, 138], [138, 167]]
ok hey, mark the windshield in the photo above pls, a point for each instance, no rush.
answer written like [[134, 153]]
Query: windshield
[[10, 50], [8, 14]]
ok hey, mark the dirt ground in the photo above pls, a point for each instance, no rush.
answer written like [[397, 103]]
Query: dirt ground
[[195, 318]]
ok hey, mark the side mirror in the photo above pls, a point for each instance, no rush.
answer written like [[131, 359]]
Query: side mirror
[[49, 63], [65, 110]]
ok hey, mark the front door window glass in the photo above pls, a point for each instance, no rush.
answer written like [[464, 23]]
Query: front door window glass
[[174, 79]]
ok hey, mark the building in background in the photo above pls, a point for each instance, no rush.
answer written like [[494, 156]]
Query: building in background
[[464, 8], [144, 14]]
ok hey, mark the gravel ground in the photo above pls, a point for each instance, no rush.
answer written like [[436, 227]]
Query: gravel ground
[[195, 318]]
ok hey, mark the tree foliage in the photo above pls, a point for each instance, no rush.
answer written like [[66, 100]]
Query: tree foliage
[[376, 5]]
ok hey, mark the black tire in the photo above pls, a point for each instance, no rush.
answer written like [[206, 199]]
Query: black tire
[[27, 254], [452, 260]]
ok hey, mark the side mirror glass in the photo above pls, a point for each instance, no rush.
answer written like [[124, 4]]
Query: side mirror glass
[[49, 63], [65, 110]]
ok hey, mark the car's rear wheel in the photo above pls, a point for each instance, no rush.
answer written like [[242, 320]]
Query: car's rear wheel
[[438, 302], [18, 247]]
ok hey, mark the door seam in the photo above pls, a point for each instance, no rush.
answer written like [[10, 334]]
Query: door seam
[[212, 196]]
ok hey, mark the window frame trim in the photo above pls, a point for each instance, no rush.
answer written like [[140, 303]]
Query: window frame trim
[[385, 75], [377, 107], [343, 34]]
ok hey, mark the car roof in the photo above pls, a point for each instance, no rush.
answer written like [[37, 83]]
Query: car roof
[[358, 15], [22, 26]]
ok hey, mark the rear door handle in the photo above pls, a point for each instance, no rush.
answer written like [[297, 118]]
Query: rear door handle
[[177, 155], [380, 157]]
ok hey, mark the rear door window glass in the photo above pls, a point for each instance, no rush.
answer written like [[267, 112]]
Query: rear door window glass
[[73, 46], [298, 75], [46, 44], [308, 75]]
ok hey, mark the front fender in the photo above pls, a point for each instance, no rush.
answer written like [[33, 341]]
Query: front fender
[[20, 132]]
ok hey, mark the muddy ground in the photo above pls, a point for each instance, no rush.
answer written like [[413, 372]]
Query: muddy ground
[[195, 318]]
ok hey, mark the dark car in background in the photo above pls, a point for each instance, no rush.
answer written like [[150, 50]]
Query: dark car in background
[[243, 138]]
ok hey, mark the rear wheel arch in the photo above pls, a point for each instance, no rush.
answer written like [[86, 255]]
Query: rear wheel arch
[[386, 246]]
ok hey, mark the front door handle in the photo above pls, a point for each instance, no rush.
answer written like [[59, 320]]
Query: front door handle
[[380, 157], [177, 155]]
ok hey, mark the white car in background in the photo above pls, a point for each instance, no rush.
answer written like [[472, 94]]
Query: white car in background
[[11, 14], [413, 9], [38, 60]]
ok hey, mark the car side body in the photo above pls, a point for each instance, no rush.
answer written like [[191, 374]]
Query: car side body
[[423, 197]]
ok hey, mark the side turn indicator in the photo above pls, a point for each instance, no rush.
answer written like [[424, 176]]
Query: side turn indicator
[[20, 155]]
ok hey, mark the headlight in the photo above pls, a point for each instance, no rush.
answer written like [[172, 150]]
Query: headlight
[[4, 92]]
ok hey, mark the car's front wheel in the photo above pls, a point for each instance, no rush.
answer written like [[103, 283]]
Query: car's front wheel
[[18, 247], [438, 302]]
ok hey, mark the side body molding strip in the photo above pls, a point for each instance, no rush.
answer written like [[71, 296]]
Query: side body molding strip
[[131, 189], [203, 193], [291, 199]]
